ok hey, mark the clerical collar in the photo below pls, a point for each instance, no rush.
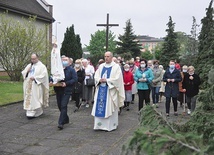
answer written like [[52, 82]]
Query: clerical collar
[[109, 64]]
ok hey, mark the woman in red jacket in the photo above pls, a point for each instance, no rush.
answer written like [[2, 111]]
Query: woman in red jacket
[[128, 82]]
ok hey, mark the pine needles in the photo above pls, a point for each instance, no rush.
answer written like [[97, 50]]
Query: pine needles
[[156, 135]]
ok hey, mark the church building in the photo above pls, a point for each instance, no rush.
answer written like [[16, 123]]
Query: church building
[[19, 9]]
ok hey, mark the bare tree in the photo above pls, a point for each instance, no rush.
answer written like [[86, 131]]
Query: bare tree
[[18, 40]]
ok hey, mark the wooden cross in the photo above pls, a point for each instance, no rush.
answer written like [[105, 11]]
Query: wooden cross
[[107, 29]]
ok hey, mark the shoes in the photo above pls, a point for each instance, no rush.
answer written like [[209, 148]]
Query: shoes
[[188, 111], [124, 107], [66, 122], [167, 114], [80, 104], [87, 105], [127, 108], [60, 126], [30, 117], [83, 103], [175, 113], [132, 102], [153, 104], [77, 108]]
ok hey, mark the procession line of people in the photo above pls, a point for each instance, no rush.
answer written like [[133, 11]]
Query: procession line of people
[[116, 82]]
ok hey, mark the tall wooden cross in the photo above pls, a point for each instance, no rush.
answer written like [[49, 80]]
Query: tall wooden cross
[[107, 25]]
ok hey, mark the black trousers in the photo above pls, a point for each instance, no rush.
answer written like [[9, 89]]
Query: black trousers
[[175, 104], [143, 95], [76, 98]]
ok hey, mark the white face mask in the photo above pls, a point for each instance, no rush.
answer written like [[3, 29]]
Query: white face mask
[[77, 65], [143, 65], [184, 70], [126, 69]]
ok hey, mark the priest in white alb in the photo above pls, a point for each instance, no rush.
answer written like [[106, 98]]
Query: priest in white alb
[[36, 87], [109, 95]]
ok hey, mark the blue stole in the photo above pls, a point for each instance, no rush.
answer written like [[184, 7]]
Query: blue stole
[[102, 95]]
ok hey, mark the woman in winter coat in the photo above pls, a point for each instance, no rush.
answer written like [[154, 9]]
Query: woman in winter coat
[[143, 76], [133, 69], [156, 82], [191, 84], [77, 91], [128, 82], [172, 77]]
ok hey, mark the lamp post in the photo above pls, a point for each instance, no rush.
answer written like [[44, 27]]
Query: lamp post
[[56, 28]]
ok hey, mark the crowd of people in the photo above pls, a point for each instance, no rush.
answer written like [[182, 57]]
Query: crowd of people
[[116, 83]]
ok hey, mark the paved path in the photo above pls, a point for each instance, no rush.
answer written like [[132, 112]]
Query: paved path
[[40, 136]]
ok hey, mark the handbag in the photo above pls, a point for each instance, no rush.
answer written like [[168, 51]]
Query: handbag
[[90, 82]]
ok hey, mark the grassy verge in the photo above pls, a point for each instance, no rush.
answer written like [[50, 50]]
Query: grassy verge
[[10, 92]]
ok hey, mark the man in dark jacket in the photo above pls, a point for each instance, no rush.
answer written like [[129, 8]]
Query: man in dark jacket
[[191, 84], [63, 93], [172, 77]]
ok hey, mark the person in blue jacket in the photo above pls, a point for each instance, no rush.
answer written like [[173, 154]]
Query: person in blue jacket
[[172, 77], [143, 76], [63, 93]]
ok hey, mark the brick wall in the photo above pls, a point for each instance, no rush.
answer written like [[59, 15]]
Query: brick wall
[[2, 73]]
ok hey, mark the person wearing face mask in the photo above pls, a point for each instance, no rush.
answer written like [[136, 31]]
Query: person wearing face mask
[[77, 90], [143, 76], [150, 64], [191, 84], [137, 61], [63, 93], [133, 69], [128, 82], [172, 76], [87, 90], [181, 96], [156, 82]]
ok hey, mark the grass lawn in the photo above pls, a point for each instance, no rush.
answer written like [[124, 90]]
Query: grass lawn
[[10, 92]]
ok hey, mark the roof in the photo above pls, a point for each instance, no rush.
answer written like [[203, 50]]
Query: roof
[[145, 38], [26, 8]]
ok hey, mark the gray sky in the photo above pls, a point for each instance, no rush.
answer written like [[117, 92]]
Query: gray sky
[[148, 17]]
